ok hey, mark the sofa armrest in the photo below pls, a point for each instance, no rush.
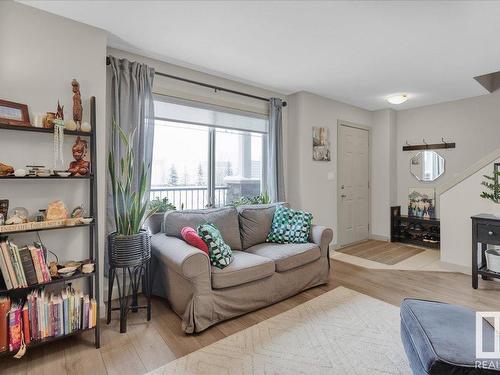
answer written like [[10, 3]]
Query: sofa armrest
[[321, 236], [179, 256]]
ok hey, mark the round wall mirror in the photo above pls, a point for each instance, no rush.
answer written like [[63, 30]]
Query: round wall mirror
[[427, 166]]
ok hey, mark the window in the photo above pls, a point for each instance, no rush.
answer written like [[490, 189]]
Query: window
[[205, 155]]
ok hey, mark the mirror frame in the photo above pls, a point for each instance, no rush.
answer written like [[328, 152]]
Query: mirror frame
[[428, 181]]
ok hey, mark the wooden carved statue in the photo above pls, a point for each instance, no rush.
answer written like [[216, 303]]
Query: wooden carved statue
[[79, 167], [77, 103], [60, 112]]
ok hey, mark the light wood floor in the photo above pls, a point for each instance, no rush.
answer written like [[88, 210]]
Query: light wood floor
[[147, 346]]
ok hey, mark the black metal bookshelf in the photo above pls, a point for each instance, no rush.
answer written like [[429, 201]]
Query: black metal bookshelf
[[93, 241]]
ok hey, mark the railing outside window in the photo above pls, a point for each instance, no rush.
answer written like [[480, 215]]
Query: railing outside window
[[189, 197]]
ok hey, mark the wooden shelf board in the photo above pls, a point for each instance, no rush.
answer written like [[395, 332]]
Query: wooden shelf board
[[47, 178], [45, 229], [76, 276], [43, 130]]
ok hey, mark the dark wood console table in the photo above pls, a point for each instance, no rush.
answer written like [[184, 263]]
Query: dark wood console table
[[485, 231]]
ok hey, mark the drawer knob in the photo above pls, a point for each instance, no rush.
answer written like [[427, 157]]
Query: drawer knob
[[490, 233]]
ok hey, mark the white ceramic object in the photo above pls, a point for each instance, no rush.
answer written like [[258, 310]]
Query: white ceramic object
[[85, 127], [70, 125], [63, 174], [67, 271], [86, 220], [20, 172], [88, 268]]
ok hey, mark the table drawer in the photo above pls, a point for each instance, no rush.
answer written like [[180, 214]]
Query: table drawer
[[488, 234]]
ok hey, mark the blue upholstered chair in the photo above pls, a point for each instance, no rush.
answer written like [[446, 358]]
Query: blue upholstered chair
[[441, 339]]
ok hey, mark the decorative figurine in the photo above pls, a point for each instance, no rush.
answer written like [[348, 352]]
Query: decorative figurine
[[86, 127], [70, 125], [77, 103], [6, 169], [79, 167], [48, 120], [58, 141]]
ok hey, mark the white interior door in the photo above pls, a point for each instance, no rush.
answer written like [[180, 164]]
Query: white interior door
[[353, 185]]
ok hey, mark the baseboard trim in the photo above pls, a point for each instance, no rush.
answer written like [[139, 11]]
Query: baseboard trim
[[379, 237]]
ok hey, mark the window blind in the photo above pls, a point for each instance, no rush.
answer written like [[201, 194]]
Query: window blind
[[179, 110]]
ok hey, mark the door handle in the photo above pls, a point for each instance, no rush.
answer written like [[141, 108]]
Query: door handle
[[491, 233]]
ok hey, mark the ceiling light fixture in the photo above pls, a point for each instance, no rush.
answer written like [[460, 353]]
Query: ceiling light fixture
[[397, 99]]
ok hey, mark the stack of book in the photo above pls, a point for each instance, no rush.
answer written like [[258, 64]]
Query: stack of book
[[43, 315], [22, 267]]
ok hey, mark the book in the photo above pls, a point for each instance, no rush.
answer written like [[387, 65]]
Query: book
[[26, 324], [43, 266], [8, 261], [15, 329], [27, 264], [16, 261], [4, 323], [5, 271], [36, 263]]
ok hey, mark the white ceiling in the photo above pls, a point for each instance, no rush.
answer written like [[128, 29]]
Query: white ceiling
[[354, 52]]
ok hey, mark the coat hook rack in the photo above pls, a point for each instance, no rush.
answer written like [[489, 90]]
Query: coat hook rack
[[428, 146]]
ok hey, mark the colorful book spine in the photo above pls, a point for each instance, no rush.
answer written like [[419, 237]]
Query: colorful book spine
[[15, 328], [5, 271], [8, 261], [36, 263], [4, 323], [18, 268], [26, 325], [43, 266]]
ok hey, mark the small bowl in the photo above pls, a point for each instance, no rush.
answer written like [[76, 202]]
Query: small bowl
[[67, 271], [63, 174], [43, 174], [86, 220], [20, 173]]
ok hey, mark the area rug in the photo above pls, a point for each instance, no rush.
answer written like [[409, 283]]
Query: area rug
[[340, 332], [381, 251]]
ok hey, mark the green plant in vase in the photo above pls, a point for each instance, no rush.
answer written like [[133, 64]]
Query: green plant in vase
[[130, 204], [492, 184]]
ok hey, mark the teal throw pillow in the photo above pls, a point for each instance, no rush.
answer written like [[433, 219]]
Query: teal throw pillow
[[219, 252], [290, 226]]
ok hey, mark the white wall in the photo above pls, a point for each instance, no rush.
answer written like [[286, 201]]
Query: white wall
[[472, 123], [308, 185], [383, 176], [41, 54], [457, 206]]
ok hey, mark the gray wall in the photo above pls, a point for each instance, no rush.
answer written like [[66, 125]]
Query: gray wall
[[474, 124]]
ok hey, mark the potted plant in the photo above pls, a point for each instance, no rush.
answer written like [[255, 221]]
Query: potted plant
[[492, 184], [158, 206], [258, 199]]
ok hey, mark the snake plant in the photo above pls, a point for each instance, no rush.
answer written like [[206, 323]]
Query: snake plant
[[130, 204]]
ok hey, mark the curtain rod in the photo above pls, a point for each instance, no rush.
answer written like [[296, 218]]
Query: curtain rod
[[216, 88]]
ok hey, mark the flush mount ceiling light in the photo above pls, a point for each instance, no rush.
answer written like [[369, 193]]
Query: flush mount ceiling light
[[397, 99]]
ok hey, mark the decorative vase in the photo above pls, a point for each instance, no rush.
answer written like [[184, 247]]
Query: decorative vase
[[129, 251]]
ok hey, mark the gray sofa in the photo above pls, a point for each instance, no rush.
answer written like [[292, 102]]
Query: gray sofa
[[260, 274]]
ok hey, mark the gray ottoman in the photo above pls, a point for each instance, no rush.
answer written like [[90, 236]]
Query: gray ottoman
[[441, 339]]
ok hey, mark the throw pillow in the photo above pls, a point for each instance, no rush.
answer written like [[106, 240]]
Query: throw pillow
[[191, 237], [290, 226], [219, 252]]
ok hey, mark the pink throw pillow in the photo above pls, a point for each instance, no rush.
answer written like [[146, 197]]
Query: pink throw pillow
[[191, 237]]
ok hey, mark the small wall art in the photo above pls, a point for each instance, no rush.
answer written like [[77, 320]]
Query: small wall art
[[422, 202], [321, 144]]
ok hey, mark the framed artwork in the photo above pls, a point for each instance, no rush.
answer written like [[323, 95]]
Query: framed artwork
[[422, 202], [321, 144], [14, 113]]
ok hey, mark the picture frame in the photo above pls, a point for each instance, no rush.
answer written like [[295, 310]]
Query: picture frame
[[321, 144], [15, 114], [422, 202]]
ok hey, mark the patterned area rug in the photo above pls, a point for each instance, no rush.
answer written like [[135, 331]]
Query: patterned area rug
[[340, 332]]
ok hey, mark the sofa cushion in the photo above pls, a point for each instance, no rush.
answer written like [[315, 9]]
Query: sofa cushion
[[191, 237], [225, 218], [290, 226], [219, 252], [244, 268], [255, 223], [440, 338], [287, 256]]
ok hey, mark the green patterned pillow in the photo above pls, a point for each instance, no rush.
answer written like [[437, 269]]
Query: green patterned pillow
[[290, 226], [219, 252]]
